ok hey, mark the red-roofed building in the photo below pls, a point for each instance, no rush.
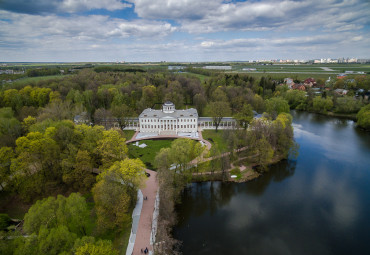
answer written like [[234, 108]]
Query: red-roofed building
[[310, 82]]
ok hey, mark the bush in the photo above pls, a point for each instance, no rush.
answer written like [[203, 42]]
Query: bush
[[5, 221], [363, 117]]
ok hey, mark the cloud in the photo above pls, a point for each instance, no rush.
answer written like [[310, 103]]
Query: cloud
[[209, 16], [31, 37], [175, 9], [82, 5], [60, 6], [302, 42], [27, 28]]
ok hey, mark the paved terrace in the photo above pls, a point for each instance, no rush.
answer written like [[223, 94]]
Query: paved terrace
[[167, 136]]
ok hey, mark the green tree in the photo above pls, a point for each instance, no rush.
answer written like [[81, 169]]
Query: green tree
[[71, 212], [218, 110], [112, 148], [55, 241], [80, 174], [28, 122], [6, 155], [115, 192], [245, 116], [348, 104], [101, 247], [263, 151], [296, 98], [363, 117], [322, 104], [10, 127], [276, 105], [200, 103], [122, 113], [37, 162]]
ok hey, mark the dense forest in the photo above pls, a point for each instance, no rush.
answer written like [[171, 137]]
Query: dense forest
[[44, 153]]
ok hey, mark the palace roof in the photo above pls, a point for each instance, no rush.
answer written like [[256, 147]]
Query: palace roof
[[151, 113]]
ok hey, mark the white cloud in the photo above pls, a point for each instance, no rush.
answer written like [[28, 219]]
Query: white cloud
[[175, 9], [82, 5], [215, 15], [34, 29]]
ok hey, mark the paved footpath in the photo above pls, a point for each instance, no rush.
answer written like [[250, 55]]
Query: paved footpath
[[144, 230]]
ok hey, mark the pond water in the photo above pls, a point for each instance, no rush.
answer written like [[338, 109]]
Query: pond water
[[316, 204]]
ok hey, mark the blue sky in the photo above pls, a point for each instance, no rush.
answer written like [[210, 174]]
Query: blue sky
[[182, 30]]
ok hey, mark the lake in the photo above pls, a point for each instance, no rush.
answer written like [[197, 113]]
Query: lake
[[318, 203]]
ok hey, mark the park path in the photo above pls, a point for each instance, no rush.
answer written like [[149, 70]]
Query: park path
[[144, 229]]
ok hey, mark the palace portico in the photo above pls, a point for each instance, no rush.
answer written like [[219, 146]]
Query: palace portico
[[168, 120]]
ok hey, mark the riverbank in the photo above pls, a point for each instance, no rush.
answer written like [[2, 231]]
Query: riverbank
[[351, 116], [247, 172]]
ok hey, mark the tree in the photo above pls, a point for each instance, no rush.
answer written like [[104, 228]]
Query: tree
[[28, 122], [245, 116], [322, 104], [37, 162], [276, 105], [112, 204], [163, 159], [6, 155], [218, 110], [115, 192], [56, 240], [122, 113], [10, 127], [111, 147], [258, 103], [363, 117], [103, 117], [348, 104], [264, 152], [200, 103], [80, 174], [295, 98], [101, 247], [71, 212]]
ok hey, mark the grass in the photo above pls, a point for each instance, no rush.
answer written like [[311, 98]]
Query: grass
[[147, 154], [236, 171], [199, 76], [128, 134], [216, 138]]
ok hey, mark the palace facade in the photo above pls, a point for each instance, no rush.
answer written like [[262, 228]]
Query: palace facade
[[168, 120]]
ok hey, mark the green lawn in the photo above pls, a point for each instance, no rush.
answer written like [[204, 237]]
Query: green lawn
[[128, 134], [215, 138], [148, 153], [236, 171]]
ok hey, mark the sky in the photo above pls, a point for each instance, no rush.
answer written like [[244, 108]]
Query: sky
[[182, 30]]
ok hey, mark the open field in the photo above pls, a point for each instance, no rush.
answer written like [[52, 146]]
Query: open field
[[37, 79]]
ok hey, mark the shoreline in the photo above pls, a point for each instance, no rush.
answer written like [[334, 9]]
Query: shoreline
[[248, 173]]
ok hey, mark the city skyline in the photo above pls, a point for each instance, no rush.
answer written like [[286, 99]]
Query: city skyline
[[182, 30]]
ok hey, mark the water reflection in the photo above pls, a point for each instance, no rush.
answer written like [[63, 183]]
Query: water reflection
[[317, 204], [276, 173]]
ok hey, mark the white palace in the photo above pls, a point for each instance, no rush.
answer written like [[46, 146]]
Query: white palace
[[168, 120]]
